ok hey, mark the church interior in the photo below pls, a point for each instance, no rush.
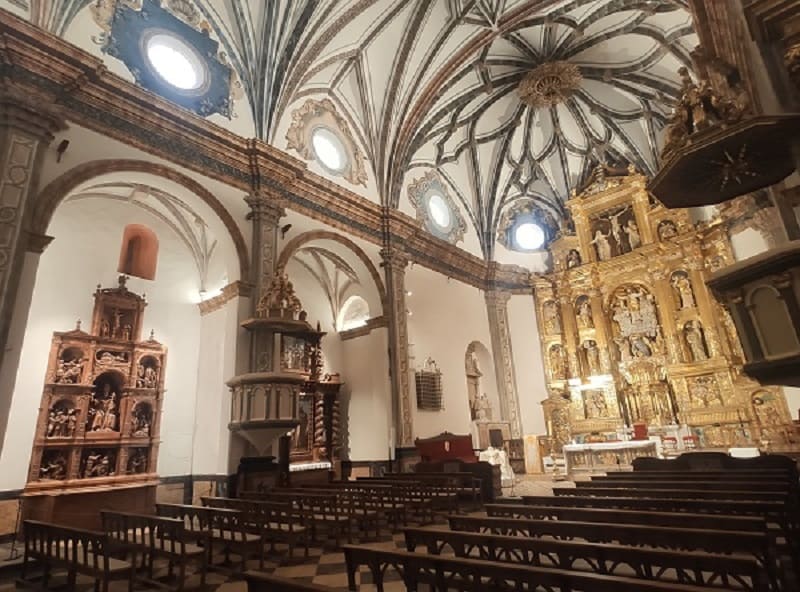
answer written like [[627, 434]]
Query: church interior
[[310, 295]]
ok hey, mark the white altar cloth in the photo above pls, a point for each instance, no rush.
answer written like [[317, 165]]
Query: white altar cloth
[[497, 456]]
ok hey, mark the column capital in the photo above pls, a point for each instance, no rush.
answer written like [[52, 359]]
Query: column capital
[[497, 297], [35, 115], [264, 208], [394, 258]]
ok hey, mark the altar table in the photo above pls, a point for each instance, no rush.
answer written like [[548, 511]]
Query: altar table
[[606, 456]]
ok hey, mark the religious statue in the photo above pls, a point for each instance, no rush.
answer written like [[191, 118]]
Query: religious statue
[[616, 227], [103, 413], [110, 415], [137, 463], [97, 465], [624, 347], [483, 409], [602, 246], [634, 238], [592, 356], [54, 468], [105, 328], [61, 421], [474, 374], [69, 371], [150, 377], [140, 375], [596, 405], [141, 416], [117, 325], [585, 320], [683, 287], [693, 334], [552, 318], [703, 389], [558, 362], [667, 230], [126, 332], [573, 259]]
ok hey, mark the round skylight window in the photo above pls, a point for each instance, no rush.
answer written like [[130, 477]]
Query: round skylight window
[[439, 211], [529, 236], [175, 61], [329, 149]]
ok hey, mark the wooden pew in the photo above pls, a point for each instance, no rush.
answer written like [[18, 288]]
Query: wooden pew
[[76, 551], [719, 485], [466, 485], [754, 544], [694, 494], [385, 498], [262, 582], [474, 575], [226, 528], [319, 510], [749, 475], [702, 569], [273, 521], [642, 517], [420, 499], [154, 537]]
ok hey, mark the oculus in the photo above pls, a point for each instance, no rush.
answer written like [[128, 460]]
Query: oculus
[[436, 210], [526, 227], [319, 133], [175, 61], [329, 150]]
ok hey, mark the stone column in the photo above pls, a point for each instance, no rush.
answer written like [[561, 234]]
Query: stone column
[[27, 127], [265, 213], [497, 309], [394, 263]]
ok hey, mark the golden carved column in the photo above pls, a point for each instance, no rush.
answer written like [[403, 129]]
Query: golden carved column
[[704, 305], [666, 309], [394, 263], [570, 334], [497, 309], [602, 331]]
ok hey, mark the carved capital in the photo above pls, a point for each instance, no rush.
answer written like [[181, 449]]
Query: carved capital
[[34, 115], [265, 210], [394, 258], [497, 298]]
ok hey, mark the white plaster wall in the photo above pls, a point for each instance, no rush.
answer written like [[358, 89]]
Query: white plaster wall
[[528, 362], [367, 395], [748, 243], [84, 253], [219, 332], [446, 316]]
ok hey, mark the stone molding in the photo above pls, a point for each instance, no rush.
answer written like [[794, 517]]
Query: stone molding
[[371, 324], [497, 309], [228, 293]]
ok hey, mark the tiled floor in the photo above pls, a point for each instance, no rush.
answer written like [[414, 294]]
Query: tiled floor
[[324, 566]]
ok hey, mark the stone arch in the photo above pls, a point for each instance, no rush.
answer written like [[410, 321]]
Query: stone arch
[[49, 198], [301, 239]]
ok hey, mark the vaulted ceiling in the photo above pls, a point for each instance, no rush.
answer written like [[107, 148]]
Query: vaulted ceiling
[[434, 85]]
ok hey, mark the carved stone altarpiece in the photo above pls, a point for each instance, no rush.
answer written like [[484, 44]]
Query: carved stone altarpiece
[[98, 423], [631, 334]]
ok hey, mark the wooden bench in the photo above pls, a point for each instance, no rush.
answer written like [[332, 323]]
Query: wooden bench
[[319, 510], [754, 544], [385, 498], [696, 484], [448, 573], [467, 486], [226, 528], [262, 582], [77, 551], [642, 517], [694, 494], [274, 521], [156, 537], [702, 569]]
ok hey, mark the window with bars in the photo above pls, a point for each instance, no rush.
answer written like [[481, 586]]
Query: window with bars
[[429, 389]]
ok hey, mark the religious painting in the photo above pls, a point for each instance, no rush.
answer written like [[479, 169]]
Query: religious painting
[[303, 433], [294, 355], [615, 232]]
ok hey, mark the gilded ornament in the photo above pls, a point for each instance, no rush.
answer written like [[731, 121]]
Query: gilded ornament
[[550, 84]]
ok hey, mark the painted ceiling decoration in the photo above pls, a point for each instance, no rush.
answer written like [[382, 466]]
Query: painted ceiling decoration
[[168, 50], [436, 210], [507, 100], [186, 223], [318, 132]]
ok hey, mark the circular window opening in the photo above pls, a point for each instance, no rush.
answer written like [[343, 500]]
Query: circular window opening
[[329, 149], [175, 61], [529, 236], [439, 211]]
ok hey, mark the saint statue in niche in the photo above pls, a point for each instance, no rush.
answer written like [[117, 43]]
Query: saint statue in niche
[[552, 320], [558, 362], [634, 238], [695, 339], [683, 289], [474, 374], [601, 245], [69, 371], [592, 353], [483, 409], [595, 404], [573, 259], [103, 410], [585, 320]]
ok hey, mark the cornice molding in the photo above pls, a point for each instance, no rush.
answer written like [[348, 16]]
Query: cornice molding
[[89, 95], [228, 293], [366, 329]]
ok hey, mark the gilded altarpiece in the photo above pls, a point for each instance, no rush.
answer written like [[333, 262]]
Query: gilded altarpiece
[[631, 335]]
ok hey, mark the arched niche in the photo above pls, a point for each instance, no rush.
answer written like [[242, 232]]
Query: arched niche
[[771, 319], [138, 254]]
